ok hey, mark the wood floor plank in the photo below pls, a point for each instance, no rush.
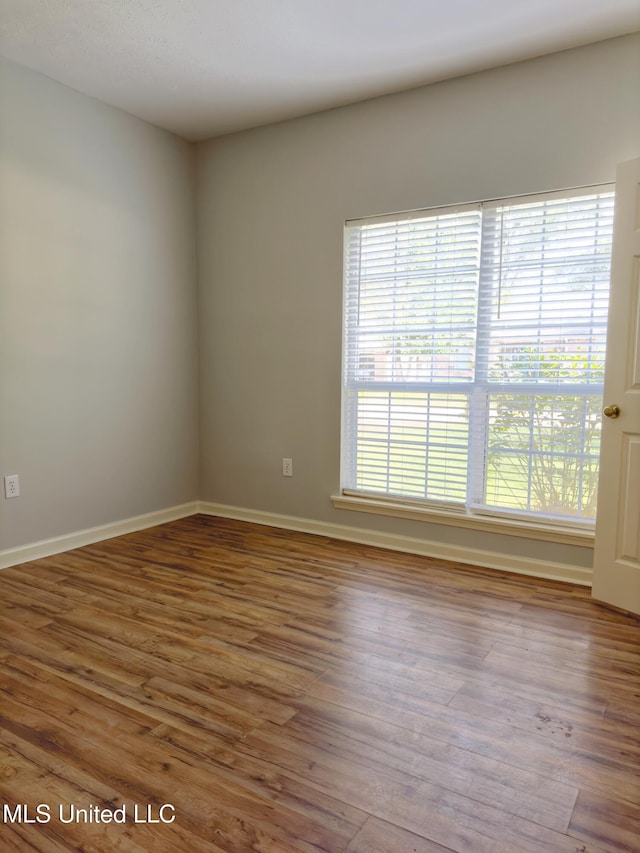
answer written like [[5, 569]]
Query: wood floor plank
[[405, 756], [488, 734], [339, 820], [378, 836], [597, 819], [58, 784], [436, 813], [591, 732], [357, 657], [290, 693], [209, 806]]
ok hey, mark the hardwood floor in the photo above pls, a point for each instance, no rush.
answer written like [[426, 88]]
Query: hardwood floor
[[286, 692]]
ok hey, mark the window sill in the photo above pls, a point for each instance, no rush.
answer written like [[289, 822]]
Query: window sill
[[489, 524]]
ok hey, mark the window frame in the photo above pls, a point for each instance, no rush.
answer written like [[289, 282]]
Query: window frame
[[574, 531]]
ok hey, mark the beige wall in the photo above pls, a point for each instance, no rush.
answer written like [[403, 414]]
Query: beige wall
[[98, 348], [271, 207]]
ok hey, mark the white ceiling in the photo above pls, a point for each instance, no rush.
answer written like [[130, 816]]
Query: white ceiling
[[205, 67]]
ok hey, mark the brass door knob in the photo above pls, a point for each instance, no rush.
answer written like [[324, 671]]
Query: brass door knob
[[611, 412]]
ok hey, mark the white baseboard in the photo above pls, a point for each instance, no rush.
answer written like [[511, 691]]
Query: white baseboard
[[424, 547], [427, 548], [48, 547]]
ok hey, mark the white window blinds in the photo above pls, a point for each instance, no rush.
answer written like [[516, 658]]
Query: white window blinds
[[474, 354]]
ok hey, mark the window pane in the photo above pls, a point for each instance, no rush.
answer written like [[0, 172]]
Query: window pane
[[542, 453], [545, 269], [412, 299], [412, 444]]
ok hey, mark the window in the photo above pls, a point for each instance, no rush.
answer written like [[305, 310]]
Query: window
[[474, 355]]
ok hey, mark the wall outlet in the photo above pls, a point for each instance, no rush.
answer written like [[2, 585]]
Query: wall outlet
[[287, 467], [12, 486]]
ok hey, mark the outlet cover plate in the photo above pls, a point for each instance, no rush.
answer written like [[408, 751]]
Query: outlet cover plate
[[12, 486]]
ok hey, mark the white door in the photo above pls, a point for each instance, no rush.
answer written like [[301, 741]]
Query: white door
[[616, 568]]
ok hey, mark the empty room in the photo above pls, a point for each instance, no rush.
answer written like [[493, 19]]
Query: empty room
[[320, 426]]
